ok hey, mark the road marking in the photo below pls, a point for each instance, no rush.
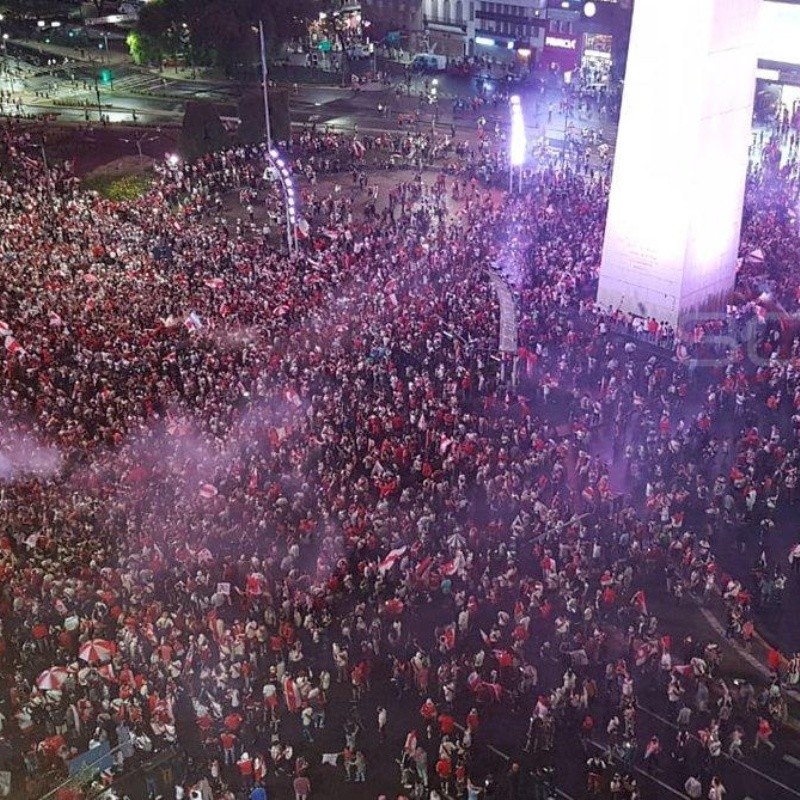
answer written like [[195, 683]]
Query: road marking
[[738, 761], [505, 757], [647, 775], [792, 760]]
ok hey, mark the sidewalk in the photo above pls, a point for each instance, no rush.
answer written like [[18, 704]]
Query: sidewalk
[[81, 55]]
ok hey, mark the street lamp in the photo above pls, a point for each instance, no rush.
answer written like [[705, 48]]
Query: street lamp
[[277, 166], [516, 155]]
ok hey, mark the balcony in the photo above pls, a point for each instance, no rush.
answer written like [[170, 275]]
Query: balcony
[[441, 22]]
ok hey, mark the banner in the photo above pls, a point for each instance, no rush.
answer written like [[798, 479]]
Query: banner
[[98, 759]]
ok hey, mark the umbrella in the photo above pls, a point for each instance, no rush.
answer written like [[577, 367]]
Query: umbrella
[[97, 650], [52, 678]]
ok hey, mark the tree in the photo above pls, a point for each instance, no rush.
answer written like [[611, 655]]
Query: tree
[[144, 49], [251, 114], [223, 32], [202, 131]]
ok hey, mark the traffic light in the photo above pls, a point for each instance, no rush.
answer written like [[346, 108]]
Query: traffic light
[[106, 78]]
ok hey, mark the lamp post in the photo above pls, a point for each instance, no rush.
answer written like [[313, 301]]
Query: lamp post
[[516, 155], [264, 83], [433, 98], [278, 165], [5, 55], [97, 94], [567, 83]]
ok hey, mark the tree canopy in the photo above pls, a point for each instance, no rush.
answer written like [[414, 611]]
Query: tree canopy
[[218, 32]]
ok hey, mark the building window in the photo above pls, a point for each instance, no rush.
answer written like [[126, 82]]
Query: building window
[[435, 9], [446, 11], [459, 11]]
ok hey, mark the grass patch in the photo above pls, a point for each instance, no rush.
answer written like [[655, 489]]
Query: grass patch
[[119, 187]]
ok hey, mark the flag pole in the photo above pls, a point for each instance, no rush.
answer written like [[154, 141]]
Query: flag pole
[[264, 82]]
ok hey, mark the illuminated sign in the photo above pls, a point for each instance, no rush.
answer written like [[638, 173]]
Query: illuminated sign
[[563, 44]]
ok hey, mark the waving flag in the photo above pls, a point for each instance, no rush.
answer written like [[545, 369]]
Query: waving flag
[[13, 346], [391, 559], [193, 322], [639, 602]]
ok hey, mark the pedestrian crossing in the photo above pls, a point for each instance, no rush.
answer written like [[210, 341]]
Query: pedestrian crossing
[[137, 82]]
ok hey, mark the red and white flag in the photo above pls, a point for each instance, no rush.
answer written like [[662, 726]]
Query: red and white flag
[[301, 230], [391, 559], [643, 653], [193, 322], [639, 602], [455, 566], [13, 347], [293, 397], [290, 694]]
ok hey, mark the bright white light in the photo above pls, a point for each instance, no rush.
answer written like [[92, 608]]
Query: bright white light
[[518, 141], [509, 45], [484, 41], [779, 32], [273, 153], [55, 24], [173, 159], [279, 162], [41, 23], [524, 52], [589, 9], [672, 235]]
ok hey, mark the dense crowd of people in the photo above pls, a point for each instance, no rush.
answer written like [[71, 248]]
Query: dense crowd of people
[[238, 485]]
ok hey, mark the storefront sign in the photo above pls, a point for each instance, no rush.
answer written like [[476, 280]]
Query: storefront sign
[[560, 43]]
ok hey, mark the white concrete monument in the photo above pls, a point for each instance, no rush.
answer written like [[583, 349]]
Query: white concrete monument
[[677, 191]]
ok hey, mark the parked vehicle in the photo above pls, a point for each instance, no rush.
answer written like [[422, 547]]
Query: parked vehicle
[[429, 62]]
